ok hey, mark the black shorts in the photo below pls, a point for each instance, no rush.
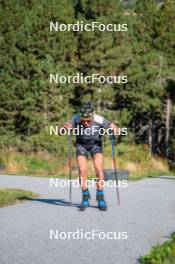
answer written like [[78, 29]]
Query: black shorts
[[84, 150]]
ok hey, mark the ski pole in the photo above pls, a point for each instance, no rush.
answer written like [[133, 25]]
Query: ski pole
[[115, 169], [70, 166]]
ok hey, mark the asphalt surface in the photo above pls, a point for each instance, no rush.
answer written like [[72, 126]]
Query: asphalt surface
[[30, 231]]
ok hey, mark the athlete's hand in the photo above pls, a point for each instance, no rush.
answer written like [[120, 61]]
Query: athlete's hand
[[114, 128], [67, 125]]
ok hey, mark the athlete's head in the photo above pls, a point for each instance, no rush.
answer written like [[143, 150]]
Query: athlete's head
[[86, 113]]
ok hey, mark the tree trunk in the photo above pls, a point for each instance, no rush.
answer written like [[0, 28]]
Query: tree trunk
[[153, 147], [167, 133], [150, 135]]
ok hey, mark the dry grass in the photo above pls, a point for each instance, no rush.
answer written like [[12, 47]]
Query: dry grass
[[136, 160], [152, 166], [9, 158]]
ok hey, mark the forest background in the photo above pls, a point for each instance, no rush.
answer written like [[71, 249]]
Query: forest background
[[29, 104]]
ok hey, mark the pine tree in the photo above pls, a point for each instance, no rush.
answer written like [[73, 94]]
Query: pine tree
[[29, 54], [99, 52]]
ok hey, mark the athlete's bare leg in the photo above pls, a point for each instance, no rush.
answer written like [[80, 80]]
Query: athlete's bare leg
[[82, 165], [98, 166]]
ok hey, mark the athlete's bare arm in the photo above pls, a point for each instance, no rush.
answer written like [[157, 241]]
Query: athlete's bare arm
[[114, 128]]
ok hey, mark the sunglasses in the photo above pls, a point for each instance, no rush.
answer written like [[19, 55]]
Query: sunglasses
[[86, 119]]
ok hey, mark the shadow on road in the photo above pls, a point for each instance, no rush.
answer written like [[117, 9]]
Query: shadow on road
[[59, 202]]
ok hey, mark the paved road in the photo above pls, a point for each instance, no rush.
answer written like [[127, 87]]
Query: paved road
[[147, 214]]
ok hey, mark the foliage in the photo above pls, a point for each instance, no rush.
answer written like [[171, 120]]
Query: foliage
[[161, 254], [30, 52]]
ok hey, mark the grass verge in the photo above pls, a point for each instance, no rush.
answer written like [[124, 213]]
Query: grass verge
[[11, 196], [161, 254], [134, 158]]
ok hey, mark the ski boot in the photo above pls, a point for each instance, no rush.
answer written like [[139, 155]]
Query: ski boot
[[85, 202], [102, 205]]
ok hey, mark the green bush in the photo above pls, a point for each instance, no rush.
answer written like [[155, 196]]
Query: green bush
[[161, 254]]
